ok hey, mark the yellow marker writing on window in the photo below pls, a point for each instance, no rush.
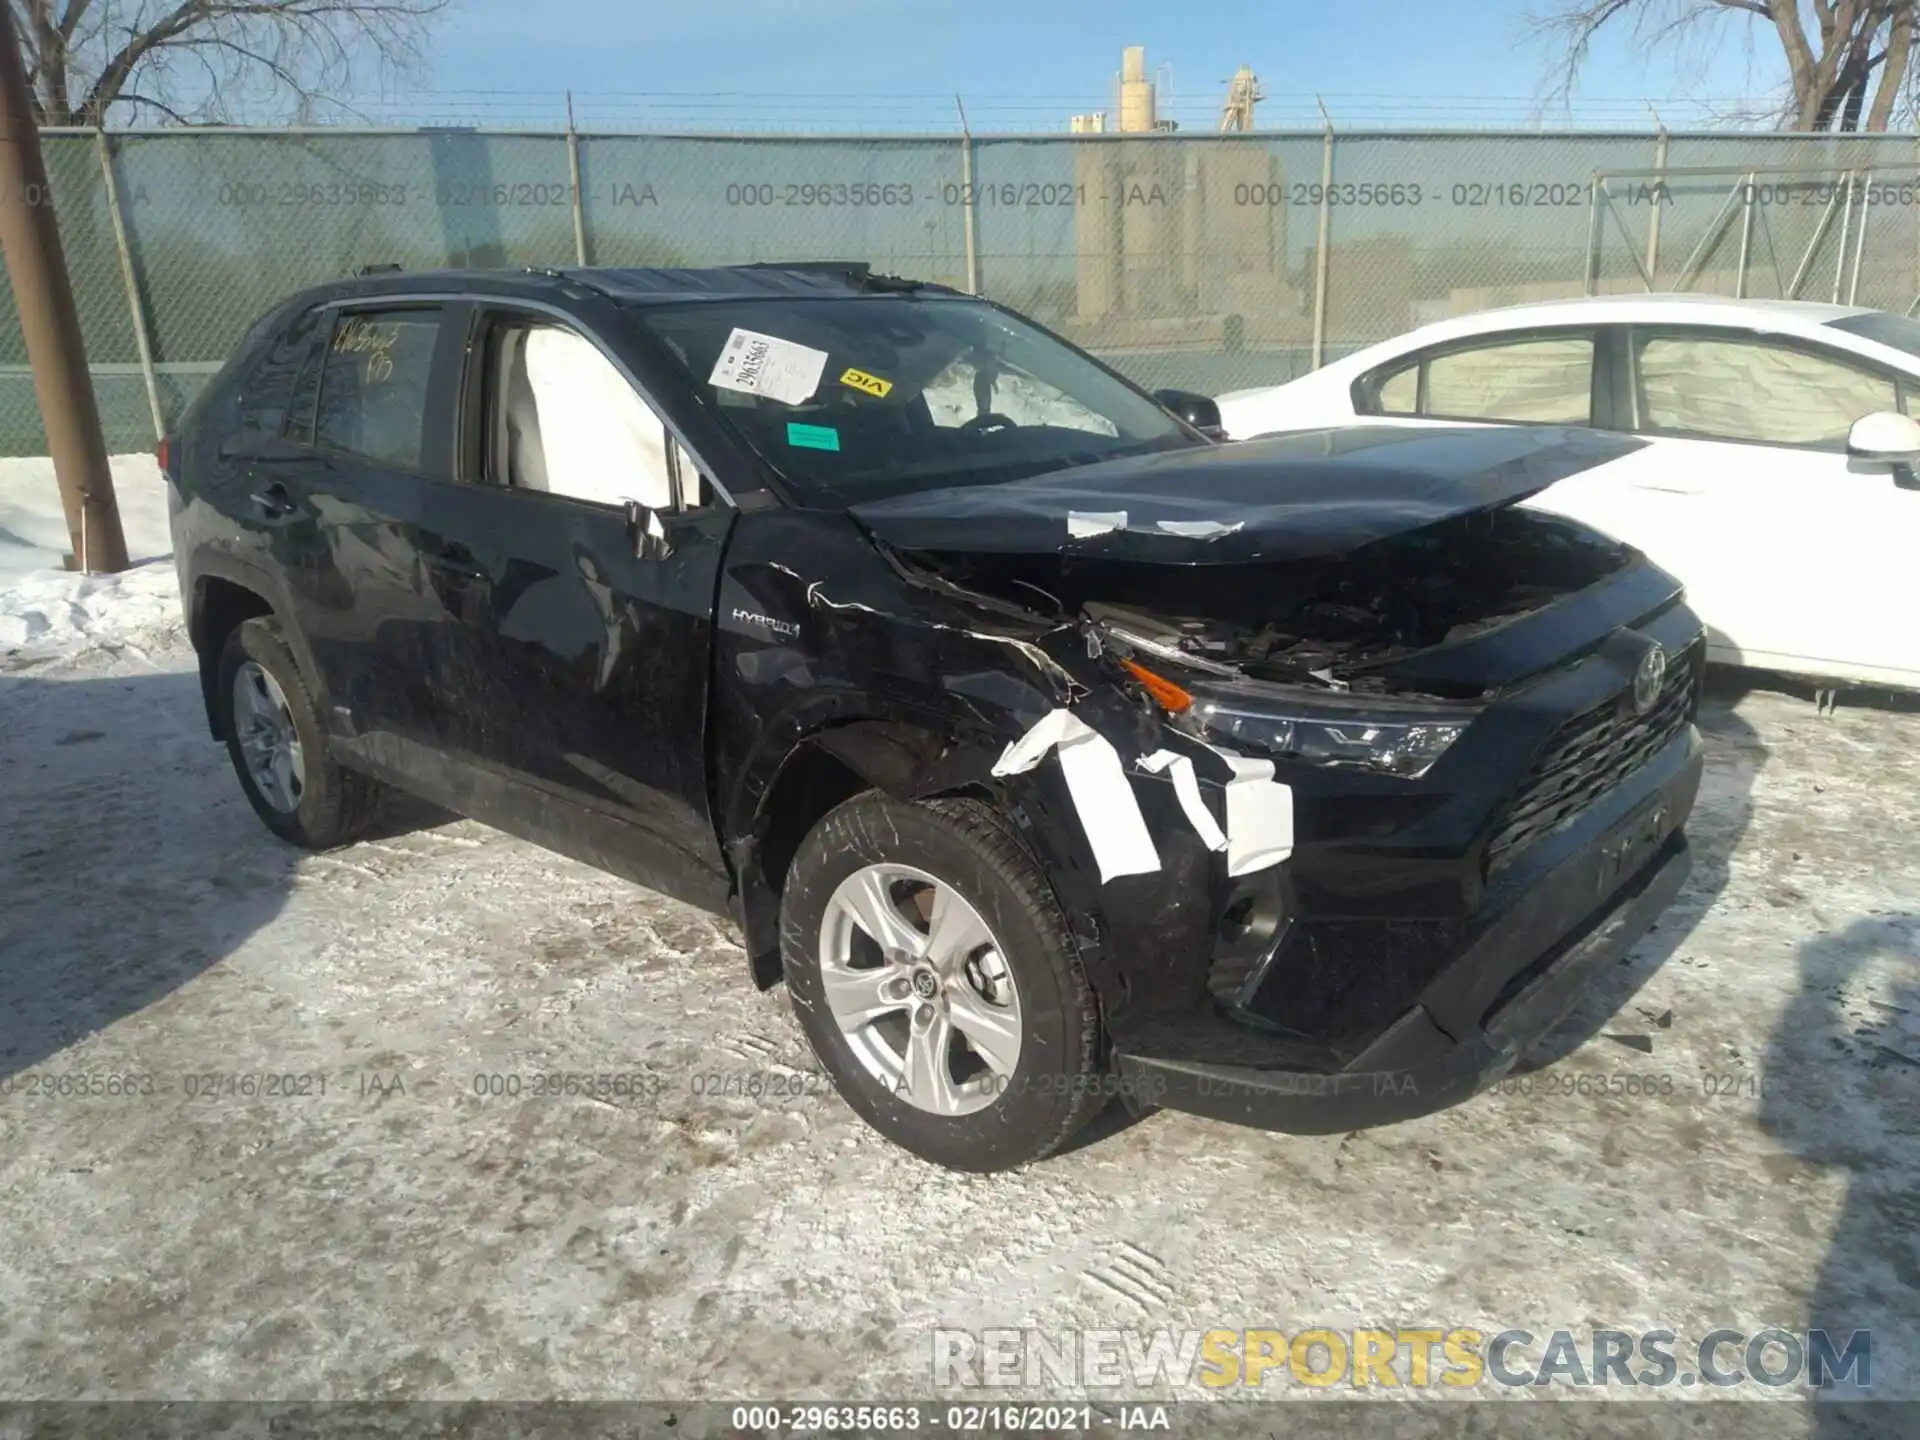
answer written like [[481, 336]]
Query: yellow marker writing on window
[[871, 384]]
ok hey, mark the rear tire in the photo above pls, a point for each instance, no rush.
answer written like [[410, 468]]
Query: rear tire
[[278, 744], [977, 949]]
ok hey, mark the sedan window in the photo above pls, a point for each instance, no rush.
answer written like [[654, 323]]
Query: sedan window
[[1400, 394], [1723, 387], [1538, 380]]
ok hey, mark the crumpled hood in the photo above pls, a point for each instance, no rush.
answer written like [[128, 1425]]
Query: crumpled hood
[[1291, 497]]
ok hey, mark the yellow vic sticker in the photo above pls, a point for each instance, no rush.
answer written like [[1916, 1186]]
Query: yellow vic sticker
[[871, 384]]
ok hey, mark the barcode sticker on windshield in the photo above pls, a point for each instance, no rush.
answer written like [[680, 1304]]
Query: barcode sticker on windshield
[[757, 364]]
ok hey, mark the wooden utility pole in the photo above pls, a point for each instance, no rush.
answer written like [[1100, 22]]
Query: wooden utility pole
[[50, 323]]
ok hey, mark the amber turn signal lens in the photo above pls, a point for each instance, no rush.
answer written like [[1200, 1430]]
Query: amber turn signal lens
[[1167, 695]]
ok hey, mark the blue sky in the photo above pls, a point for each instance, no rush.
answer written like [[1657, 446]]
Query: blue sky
[[788, 63]]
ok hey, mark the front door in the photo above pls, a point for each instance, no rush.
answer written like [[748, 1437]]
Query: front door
[[578, 654]]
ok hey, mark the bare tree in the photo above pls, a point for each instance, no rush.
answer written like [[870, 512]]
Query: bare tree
[[1836, 53], [204, 61]]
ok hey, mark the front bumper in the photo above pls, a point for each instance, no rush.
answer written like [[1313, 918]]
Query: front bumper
[[1368, 1092], [1587, 903]]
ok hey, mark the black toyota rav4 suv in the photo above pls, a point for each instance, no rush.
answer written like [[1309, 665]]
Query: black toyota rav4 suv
[[1046, 748]]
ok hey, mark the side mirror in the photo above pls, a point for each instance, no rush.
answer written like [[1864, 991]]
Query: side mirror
[[1885, 435], [1199, 411]]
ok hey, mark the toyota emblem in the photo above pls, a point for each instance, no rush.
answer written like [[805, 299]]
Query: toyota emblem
[[1648, 680]]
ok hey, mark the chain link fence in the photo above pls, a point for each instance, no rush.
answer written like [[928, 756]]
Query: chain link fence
[[1210, 262]]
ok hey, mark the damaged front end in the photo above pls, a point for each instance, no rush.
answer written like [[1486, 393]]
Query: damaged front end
[[1293, 732]]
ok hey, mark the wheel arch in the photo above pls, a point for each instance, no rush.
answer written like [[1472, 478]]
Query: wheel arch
[[824, 769], [219, 606]]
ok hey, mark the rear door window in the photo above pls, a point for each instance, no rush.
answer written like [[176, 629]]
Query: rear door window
[[374, 385], [1524, 380]]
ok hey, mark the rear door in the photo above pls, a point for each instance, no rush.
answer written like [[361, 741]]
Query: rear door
[[358, 448], [576, 554]]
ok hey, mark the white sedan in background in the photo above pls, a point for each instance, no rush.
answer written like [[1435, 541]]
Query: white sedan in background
[[1779, 480]]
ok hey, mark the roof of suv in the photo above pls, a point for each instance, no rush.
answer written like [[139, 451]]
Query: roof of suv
[[810, 279]]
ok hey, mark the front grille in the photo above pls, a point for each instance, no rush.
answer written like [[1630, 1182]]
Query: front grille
[[1590, 755]]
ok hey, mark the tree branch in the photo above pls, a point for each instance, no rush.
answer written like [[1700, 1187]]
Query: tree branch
[[302, 48], [133, 97], [1800, 61], [1833, 50], [1898, 55]]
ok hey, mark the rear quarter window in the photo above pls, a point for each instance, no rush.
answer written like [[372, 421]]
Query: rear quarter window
[[266, 392]]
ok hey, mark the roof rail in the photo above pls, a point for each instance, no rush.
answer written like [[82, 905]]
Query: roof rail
[[831, 267]]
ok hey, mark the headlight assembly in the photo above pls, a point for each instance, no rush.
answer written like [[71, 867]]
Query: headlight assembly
[[1389, 740]]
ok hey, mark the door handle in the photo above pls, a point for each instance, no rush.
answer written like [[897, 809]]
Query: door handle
[[274, 500]]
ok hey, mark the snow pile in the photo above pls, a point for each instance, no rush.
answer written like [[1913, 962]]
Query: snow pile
[[48, 612]]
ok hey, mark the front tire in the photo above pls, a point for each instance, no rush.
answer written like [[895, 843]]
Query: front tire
[[938, 983], [278, 744]]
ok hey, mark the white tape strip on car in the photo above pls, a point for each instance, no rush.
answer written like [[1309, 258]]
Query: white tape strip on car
[[1186, 789], [1102, 794], [1199, 529], [757, 364], [1259, 809], [1084, 524], [1259, 815]]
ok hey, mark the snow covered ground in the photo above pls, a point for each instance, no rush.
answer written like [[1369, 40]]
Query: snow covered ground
[[48, 612], [1727, 1136]]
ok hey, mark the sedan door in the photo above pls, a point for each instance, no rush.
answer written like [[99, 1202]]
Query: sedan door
[[577, 558]]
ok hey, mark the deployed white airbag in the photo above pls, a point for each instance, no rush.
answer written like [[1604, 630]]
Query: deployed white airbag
[[600, 440]]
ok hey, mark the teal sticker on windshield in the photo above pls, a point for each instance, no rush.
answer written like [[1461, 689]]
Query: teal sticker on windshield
[[813, 437]]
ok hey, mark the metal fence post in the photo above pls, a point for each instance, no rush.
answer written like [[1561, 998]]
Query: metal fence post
[[136, 311], [1860, 239], [970, 211], [573, 172], [1846, 226], [1595, 188], [1320, 265], [1746, 241], [1653, 220]]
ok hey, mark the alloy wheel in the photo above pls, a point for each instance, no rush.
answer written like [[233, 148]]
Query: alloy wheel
[[268, 739], [920, 989]]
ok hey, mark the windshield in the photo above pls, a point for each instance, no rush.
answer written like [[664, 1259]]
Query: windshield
[[1882, 328], [855, 399]]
